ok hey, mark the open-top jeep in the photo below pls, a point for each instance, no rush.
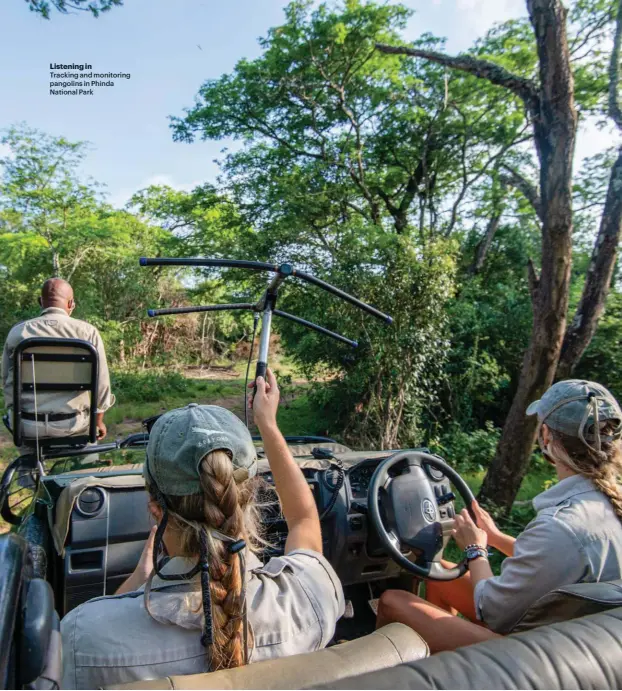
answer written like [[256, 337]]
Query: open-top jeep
[[80, 518]]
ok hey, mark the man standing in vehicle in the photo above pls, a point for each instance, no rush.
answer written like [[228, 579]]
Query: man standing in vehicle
[[58, 414]]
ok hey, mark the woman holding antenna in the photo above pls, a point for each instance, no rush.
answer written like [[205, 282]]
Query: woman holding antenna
[[212, 605]]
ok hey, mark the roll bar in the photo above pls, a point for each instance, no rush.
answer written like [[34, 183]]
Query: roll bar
[[266, 305]]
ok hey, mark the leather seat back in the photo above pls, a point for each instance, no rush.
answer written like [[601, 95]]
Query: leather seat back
[[571, 602], [65, 367], [579, 654], [389, 646], [30, 657]]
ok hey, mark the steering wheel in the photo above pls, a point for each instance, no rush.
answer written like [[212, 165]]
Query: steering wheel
[[12, 486], [409, 515]]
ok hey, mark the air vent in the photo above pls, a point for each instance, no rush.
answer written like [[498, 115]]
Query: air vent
[[90, 502]]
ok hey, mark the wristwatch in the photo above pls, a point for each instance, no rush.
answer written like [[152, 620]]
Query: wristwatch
[[475, 552]]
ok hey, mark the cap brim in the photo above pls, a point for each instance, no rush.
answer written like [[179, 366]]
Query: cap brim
[[533, 408]]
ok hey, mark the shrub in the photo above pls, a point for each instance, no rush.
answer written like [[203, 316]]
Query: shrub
[[468, 451], [147, 387]]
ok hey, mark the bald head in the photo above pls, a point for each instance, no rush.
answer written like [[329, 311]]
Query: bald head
[[57, 293]]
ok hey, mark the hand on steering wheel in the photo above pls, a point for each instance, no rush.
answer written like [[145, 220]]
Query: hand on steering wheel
[[465, 532], [410, 513]]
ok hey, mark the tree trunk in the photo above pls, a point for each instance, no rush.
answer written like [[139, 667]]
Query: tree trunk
[[554, 134], [56, 263], [598, 280], [551, 108], [484, 245]]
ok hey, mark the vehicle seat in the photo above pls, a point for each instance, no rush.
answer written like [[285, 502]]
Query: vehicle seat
[[579, 654], [391, 645], [30, 628], [571, 602], [60, 365]]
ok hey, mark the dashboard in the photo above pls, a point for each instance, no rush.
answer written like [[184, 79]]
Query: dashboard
[[359, 478], [108, 527]]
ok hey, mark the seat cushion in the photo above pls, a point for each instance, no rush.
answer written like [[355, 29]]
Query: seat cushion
[[571, 602], [391, 645], [580, 654]]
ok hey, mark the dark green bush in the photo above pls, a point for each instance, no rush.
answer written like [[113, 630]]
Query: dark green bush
[[147, 387], [468, 451]]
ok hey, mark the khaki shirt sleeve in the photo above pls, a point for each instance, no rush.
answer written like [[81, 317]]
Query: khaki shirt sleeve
[[296, 607], [105, 397], [547, 555]]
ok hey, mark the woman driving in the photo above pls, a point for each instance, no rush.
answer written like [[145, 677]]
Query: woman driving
[[575, 537], [212, 605]]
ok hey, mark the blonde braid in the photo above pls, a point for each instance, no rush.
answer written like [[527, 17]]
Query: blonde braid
[[608, 483], [231, 509], [222, 510], [603, 468]]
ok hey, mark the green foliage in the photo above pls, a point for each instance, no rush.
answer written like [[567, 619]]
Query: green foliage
[[45, 209], [468, 452], [377, 393], [489, 323], [601, 361], [147, 387], [303, 416], [95, 7], [52, 222], [354, 165], [335, 131]]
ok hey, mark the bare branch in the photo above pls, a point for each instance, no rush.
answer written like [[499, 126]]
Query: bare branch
[[585, 34], [77, 260], [525, 187], [468, 183], [598, 280], [486, 241], [615, 110], [465, 175], [524, 88]]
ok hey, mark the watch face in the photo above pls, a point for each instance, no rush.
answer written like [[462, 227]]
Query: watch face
[[472, 553]]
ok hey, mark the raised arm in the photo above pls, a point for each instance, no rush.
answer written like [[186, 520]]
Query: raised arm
[[297, 502]]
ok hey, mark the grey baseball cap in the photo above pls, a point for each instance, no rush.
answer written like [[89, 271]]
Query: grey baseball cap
[[574, 405], [181, 438]]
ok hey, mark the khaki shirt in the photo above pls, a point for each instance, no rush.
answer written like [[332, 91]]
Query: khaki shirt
[[575, 538], [56, 323], [293, 602]]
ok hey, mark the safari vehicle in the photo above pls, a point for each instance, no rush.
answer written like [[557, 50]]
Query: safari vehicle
[[80, 524]]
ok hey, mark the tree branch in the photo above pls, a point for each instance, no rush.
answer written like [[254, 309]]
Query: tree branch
[[486, 241], [467, 183], [598, 280], [524, 88], [525, 187]]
